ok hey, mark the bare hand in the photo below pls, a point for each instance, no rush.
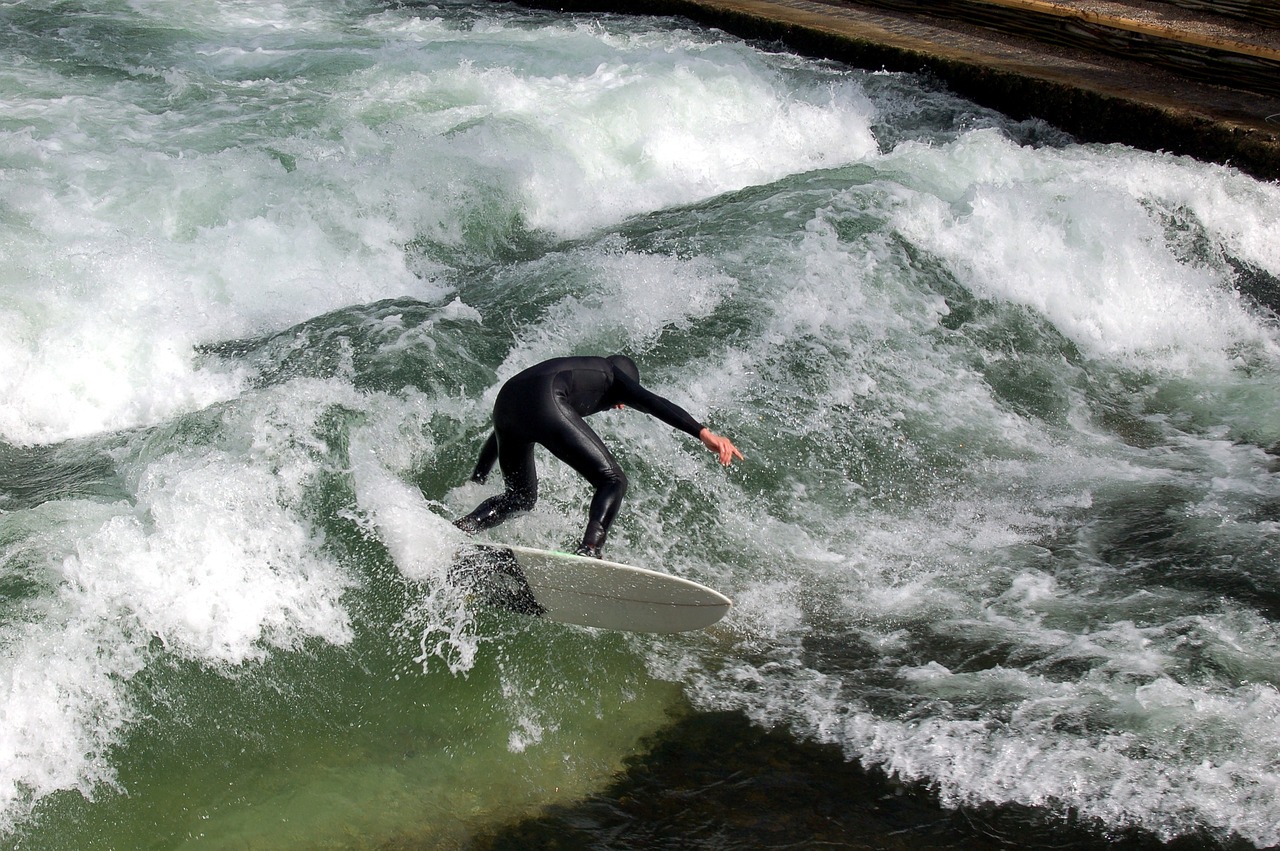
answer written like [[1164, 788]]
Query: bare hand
[[722, 446]]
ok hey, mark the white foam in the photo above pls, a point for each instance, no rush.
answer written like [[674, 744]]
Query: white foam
[[1069, 234], [620, 126], [421, 543], [105, 315], [153, 234], [211, 563], [1092, 709], [630, 302], [60, 705], [213, 558]]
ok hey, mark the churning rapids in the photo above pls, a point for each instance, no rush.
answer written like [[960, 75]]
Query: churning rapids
[[1007, 527]]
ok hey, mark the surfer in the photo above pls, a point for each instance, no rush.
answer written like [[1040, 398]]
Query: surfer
[[545, 404]]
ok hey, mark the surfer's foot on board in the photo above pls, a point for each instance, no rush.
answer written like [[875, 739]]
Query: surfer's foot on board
[[466, 524], [588, 551]]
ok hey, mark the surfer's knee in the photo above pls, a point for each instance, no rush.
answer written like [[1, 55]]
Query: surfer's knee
[[613, 482]]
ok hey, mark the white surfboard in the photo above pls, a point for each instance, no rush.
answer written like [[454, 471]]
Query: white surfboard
[[586, 591]]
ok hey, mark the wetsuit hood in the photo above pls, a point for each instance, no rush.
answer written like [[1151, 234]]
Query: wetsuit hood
[[626, 366]]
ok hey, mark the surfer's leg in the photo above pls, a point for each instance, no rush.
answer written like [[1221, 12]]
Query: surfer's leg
[[604, 508], [576, 444], [521, 411], [520, 474]]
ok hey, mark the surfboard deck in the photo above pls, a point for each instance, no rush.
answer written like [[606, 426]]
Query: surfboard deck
[[574, 589]]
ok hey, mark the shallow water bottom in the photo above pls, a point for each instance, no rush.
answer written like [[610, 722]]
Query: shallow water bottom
[[715, 782]]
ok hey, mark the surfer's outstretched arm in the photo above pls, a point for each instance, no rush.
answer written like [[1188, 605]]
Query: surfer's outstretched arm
[[720, 445], [627, 390], [488, 455]]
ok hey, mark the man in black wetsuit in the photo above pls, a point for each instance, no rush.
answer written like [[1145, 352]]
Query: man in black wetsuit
[[546, 404]]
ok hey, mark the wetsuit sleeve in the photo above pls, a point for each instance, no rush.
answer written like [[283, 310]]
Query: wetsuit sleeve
[[488, 455], [629, 392]]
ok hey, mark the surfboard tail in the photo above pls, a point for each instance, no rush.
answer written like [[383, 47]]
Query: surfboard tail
[[494, 577]]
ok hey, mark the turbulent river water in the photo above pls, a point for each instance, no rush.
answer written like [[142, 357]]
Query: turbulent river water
[[1007, 525]]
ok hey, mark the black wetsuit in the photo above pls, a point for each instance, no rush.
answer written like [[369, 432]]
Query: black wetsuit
[[546, 404]]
